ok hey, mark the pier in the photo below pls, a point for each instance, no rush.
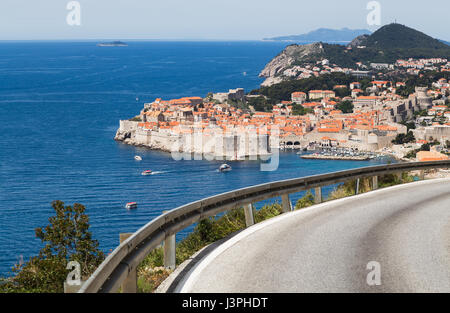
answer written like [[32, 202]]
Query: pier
[[332, 157]]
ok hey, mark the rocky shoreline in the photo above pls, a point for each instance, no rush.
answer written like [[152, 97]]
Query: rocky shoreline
[[126, 137]]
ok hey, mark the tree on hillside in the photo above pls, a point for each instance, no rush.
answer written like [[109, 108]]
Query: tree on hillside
[[404, 138], [298, 109], [66, 238], [282, 91], [343, 92], [345, 107], [409, 125], [260, 104]]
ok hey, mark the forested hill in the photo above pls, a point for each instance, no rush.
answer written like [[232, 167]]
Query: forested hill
[[386, 45], [397, 36]]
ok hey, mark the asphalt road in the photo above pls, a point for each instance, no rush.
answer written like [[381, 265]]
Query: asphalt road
[[327, 248]]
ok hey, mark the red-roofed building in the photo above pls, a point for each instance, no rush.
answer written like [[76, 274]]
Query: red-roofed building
[[298, 97]]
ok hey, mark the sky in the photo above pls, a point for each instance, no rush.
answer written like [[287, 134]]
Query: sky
[[209, 19]]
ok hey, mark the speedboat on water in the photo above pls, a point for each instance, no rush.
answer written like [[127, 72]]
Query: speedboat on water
[[131, 205], [138, 158], [146, 173], [225, 168]]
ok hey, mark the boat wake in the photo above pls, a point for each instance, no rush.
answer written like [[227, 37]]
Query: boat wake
[[157, 173]]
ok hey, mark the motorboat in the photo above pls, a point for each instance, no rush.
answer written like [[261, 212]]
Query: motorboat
[[138, 158], [131, 205], [146, 173], [225, 168]]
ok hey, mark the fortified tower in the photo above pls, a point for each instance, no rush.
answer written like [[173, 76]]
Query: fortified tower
[[423, 100]]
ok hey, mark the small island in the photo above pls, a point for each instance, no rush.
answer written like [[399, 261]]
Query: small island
[[112, 44]]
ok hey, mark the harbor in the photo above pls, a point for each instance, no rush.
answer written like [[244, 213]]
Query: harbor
[[344, 154]]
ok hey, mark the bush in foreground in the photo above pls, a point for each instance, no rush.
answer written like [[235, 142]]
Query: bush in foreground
[[67, 238]]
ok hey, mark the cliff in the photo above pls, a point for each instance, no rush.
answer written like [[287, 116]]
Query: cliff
[[287, 59]]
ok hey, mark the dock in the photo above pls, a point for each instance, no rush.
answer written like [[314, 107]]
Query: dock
[[331, 157]]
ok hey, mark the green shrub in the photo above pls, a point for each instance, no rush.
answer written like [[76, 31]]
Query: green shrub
[[67, 238], [306, 201]]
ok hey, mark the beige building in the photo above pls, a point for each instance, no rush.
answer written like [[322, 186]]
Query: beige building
[[153, 116], [364, 102], [298, 97], [321, 94]]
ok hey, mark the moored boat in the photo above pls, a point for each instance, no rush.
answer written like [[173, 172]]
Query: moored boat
[[131, 205], [225, 168], [138, 158]]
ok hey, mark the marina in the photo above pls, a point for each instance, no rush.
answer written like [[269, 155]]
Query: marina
[[341, 154]]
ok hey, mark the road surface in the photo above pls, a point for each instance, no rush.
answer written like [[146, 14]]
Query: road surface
[[327, 248]]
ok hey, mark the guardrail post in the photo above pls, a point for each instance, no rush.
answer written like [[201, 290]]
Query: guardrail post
[[286, 203], [422, 174], [248, 211], [129, 285], [374, 182], [170, 252], [318, 195], [357, 187], [170, 246]]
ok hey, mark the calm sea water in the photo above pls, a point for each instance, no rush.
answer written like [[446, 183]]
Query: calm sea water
[[60, 104]]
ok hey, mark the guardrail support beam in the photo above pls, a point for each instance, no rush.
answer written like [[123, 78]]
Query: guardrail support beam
[[357, 186], [129, 285], [374, 182], [248, 211], [286, 203], [318, 195], [170, 252]]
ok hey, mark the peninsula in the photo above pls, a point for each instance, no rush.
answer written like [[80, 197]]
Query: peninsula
[[402, 109]]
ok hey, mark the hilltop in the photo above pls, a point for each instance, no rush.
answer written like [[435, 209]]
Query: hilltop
[[344, 35], [386, 45], [394, 36]]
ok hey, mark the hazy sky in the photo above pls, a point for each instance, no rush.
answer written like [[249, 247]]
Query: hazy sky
[[209, 19]]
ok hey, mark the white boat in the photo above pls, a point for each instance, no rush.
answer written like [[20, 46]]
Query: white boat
[[146, 173], [225, 168], [138, 158], [131, 205]]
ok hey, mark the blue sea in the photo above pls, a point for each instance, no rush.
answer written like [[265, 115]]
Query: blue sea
[[60, 106]]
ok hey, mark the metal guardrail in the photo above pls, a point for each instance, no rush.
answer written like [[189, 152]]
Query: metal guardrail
[[119, 268]]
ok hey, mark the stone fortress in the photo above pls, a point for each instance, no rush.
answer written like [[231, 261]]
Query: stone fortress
[[213, 144]]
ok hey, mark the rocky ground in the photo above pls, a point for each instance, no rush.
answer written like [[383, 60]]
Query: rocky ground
[[286, 60]]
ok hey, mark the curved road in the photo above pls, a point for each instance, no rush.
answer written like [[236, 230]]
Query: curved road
[[327, 248]]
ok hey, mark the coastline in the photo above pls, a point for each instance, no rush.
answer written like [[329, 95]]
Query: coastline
[[126, 138], [212, 145]]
